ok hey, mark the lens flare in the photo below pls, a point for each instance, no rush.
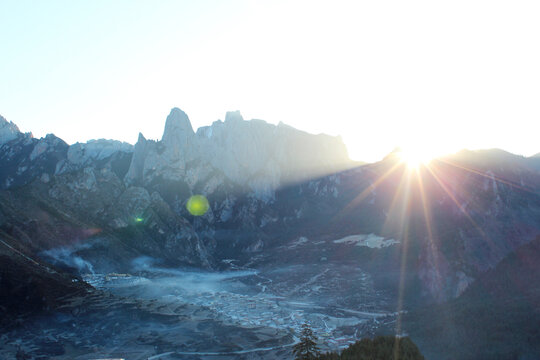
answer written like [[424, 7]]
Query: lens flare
[[197, 205]]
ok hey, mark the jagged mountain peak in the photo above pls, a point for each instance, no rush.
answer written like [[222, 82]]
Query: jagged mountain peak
[[490, 159], [100, 149], [251, 153], [8, 130], [233, 116], [141, 138], [3, 121], [177, 124]]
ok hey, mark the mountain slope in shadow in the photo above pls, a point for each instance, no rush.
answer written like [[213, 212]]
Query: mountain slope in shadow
[[497, 317]]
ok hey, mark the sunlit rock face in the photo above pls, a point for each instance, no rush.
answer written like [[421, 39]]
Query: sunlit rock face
[[83, 153], [8, 131], [24, 158], [136, 195], [255, 155], [178, 139]]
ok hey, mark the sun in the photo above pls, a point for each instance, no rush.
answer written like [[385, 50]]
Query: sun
[[414, 157]]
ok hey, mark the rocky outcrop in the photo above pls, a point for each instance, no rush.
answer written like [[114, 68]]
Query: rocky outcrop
[[24, 159], [254, 155], [94, 150], [134, 198], [95, 216], [8, 131]]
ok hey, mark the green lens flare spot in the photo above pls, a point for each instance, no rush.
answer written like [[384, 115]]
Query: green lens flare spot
[[197, 205], [139, 219]]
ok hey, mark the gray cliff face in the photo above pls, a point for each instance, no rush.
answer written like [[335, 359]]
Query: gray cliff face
[[92, 212], [255, 155], [267, 186], [102, 187], [24, 158], [96, 150], [8, 131], [179, 145]]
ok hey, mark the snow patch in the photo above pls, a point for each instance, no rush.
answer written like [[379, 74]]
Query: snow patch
[[299, 242], [370, 240]]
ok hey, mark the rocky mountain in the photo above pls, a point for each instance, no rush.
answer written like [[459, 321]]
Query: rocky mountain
[[455, 219], [8, 130], [497, 317], [254, 155], [108, 203], [24, 158], [62, 195], [365, 237]]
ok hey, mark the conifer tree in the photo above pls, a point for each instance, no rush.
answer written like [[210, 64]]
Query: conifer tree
[[307, 348]]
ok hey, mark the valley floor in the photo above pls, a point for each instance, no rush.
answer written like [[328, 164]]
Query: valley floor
[[244, 313]]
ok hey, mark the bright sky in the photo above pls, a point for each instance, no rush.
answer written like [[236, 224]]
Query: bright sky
[[432, 75]]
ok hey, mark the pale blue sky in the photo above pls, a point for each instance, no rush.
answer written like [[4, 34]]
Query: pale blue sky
[[430, 75]]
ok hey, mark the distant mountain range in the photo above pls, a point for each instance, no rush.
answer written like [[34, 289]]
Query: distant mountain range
[[101, 204]]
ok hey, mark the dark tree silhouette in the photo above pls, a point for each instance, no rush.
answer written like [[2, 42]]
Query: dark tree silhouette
[[307, 348], [380, 348], [21, 355]]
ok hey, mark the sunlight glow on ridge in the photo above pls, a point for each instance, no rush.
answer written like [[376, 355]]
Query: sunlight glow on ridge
[[414, 157]]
